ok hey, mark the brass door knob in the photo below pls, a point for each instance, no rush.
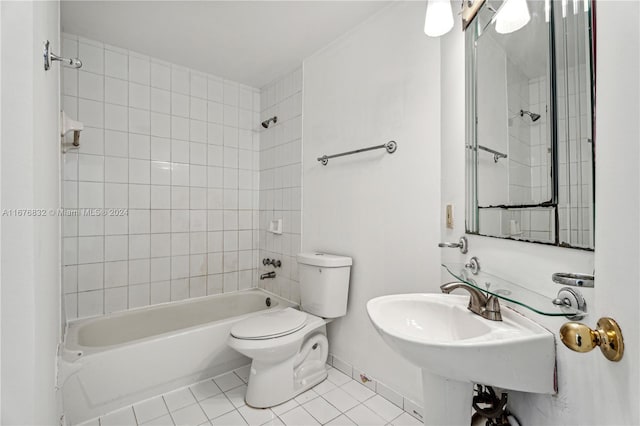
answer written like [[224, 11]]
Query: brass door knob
[[607, 335]]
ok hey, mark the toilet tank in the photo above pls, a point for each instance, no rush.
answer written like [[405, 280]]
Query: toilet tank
[[324, 284]]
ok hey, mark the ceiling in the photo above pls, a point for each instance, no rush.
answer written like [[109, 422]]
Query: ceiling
[[252, 42]]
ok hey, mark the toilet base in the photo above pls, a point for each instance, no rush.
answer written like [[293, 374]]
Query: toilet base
[[257, 402], [272, 384]]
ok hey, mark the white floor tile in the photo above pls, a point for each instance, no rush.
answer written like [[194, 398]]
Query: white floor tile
[[205, 389], [306, 396], [150, 409], [340, 399], [383, 408], [236, 395], [161, 421], [230, 419], [342, 421], [337, 377], [284, 407], [356, 390], [324, 387], [216, 406], [243, 373], [179, 399], [321, 410], [298, 417], [124, 417], [228, 381], [362, 415], [406, 419], [275, 422], [189, 416], [256, 416]]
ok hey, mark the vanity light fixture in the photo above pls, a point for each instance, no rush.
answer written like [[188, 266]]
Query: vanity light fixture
[[513, 15], [439, 18]]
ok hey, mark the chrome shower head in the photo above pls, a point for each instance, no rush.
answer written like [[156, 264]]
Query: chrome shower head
[[267, 123], [534, 117]]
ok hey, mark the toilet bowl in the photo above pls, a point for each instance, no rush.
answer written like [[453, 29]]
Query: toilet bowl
[[289, 347]]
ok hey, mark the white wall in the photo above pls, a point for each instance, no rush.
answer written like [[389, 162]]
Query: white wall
[[281, 182], [175, 149], [592, 390], [30, 246], [377, 83]]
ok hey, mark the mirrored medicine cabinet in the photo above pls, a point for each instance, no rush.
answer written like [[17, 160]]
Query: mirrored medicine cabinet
[[530, 151]]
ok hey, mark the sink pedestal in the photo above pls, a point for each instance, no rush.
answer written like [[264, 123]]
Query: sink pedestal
[[446, 402]]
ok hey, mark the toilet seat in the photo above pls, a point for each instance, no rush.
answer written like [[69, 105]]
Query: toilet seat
[[270, 325]]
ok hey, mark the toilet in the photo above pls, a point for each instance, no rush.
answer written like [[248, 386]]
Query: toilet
[[289, 347]]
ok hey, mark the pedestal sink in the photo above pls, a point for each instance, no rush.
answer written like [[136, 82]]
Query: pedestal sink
[[456, 348]]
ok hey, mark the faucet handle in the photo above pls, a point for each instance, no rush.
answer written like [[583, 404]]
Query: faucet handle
[[492, 309]]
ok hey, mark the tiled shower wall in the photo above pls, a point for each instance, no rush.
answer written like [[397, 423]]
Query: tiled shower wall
[[281, 182], [178, 150], [519, 178], [575, 159]]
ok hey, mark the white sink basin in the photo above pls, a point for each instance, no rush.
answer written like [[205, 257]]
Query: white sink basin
[[456, 348]]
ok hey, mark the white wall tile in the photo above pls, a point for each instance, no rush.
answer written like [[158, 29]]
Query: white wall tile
[[139, 70], [90, 303], [116, 64], [91, 112], [116, 248], [90, 86], [161, 141], [116, 143], [180, 80], [116, 117], [139, 96], [160, 75], [92, 57]]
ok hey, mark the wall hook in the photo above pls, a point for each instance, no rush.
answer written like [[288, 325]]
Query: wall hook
[[49, 57]]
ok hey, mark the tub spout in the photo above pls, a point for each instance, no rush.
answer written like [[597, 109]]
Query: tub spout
[[271, 274]]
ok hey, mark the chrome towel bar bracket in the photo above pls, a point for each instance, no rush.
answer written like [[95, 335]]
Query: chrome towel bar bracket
[[49, 57], [390, 146]]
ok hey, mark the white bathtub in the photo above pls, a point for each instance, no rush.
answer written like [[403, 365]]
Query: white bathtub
[[116, 360]]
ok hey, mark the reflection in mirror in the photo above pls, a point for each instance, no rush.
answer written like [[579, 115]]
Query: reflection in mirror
[[576, 157], [529, 126]]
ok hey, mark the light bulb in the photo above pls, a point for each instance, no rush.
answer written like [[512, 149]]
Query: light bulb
[[439, 18], [547, 10], [512, 16]]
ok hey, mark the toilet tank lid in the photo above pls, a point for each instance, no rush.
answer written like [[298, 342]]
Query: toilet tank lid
[[324, 259]]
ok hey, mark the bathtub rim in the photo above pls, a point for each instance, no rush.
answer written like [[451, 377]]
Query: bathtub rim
[[73, 351]]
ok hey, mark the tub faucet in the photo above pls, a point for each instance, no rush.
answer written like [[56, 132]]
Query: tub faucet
[[271, 274], [479, 304]]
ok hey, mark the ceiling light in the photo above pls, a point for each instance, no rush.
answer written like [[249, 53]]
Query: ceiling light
[[439, 18], [513, 15]]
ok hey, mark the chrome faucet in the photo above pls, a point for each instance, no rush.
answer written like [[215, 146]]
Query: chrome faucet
[[486, 307], [271, 274]]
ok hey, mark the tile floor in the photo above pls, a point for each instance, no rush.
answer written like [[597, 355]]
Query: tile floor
[[338, 401]]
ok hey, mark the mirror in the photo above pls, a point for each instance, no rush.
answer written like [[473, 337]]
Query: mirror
[[529, 120]]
